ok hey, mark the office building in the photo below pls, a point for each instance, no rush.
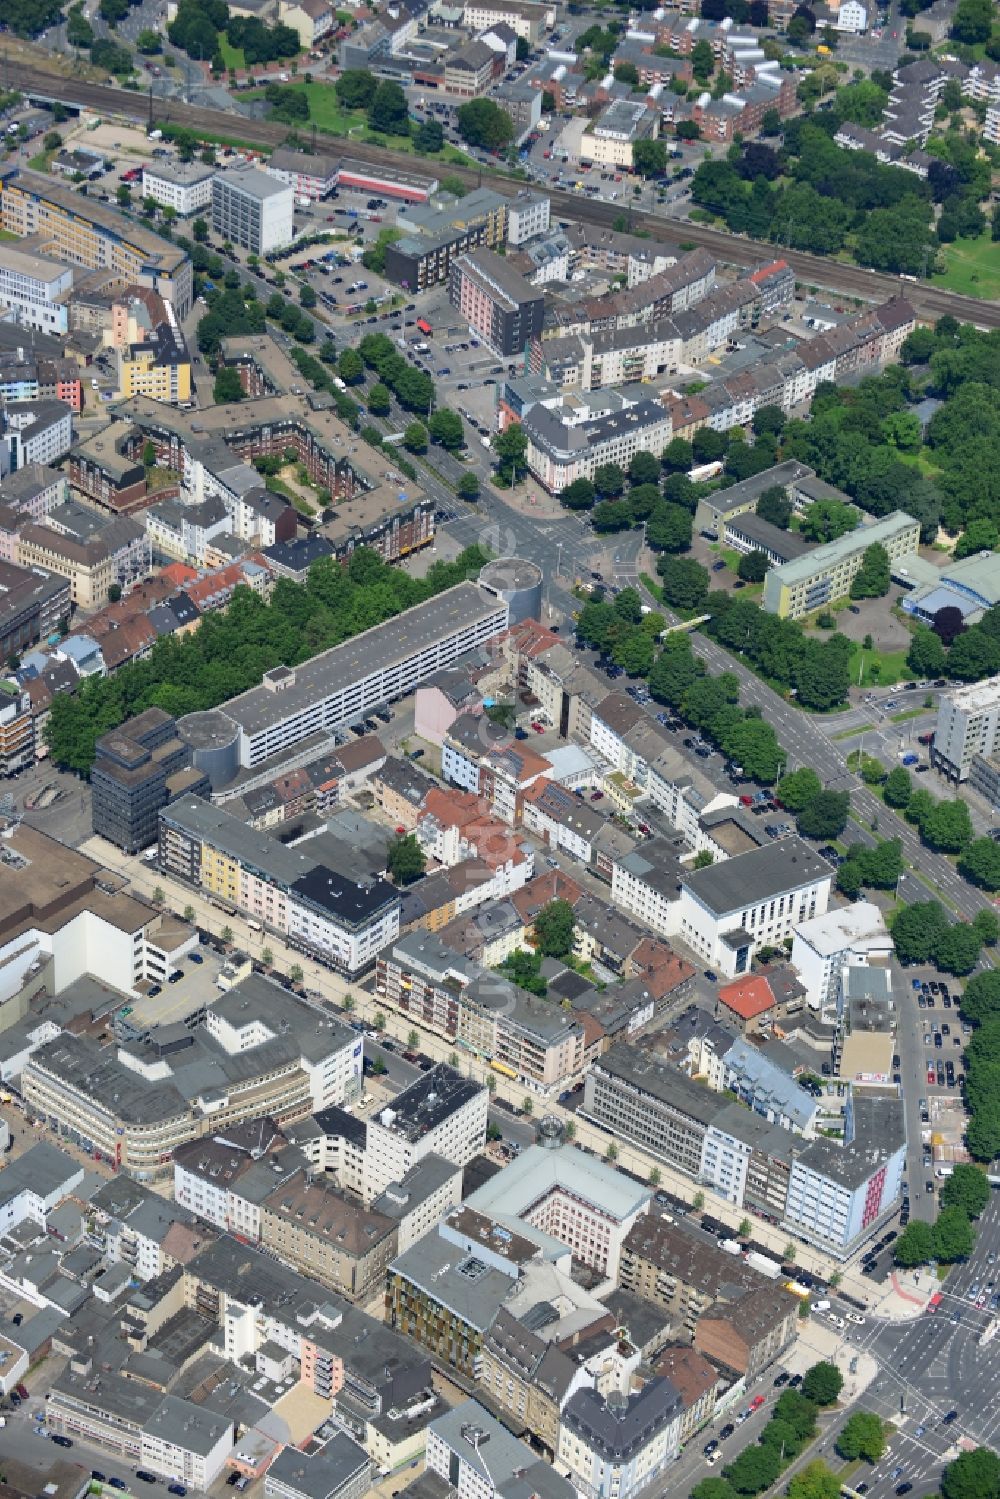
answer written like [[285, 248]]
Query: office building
[[496, 302], [341, 685], [137, 768], [730, 909], [441, 1112], [825, 573], [92, 234], [252, 210], [309, 176], [839, 1192], [340, 1469], [153, 359], [38, 431], [95, 553], [184, 186], [526, 19], [436, 234], [258, 1052], [968, 725], [612, 137], [821, 947], [36, 289], [321, 1232]]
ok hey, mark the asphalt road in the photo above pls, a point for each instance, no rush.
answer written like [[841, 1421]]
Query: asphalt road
[[736, 249]]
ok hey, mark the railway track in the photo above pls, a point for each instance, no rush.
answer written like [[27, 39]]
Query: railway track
[[814, 270]]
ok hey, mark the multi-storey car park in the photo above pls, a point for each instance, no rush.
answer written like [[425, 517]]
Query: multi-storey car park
[[341, 685]]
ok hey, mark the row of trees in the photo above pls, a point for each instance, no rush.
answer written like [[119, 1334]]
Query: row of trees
[[791, 1428], [923, 933], [951, 1236], [980, 1007], [231, 650], [198, 25], [950, 649], [818, 813], [782, 652], [946, 827]]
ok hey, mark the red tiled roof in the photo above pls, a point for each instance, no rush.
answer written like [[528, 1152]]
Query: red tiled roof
[[747, 998]]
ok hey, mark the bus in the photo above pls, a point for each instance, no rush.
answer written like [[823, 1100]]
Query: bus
[[425, 328]]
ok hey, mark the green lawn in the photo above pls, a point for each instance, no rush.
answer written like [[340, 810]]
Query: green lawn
[[8, 234], [972, 267], [231, 56], [326, 114], [890, 666]]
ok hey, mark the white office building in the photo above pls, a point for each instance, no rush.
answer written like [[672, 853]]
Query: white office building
[[186, 187], [252, 210], [821, 947], [732, 908], [35, 288], [186, 1443], [308, 176], [441, 1111], [968, 724], [837, 1193]]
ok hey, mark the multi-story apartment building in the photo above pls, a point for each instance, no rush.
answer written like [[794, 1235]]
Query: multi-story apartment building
[[96, 553], [968, 725], [17, 730], [560, 451], [539, 1044], [38, 431], [326, 912], [471, 1452], [496, 302], [621, 1442], [186, 187], [810, 581], [88, 233], [528, 216], [33, 604], [527, 19], [252, 210], [321, 1232], [528, 1378]]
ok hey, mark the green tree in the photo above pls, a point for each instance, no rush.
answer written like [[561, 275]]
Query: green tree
[[554, 928], [355, 88], [871, 581], [428, 137], [953, 1236], [976, 1474], [987, 924], [754, 1470], [957, 948], [948, 826], [267, 957], [388, 111], [510, 447], [702, 859], [483, 123], [415, 437], [468, 487], [685, 582], [579, 495], [825, 816], [351, 367], [405, 860], [822, 1383], [972, 23], [227, 385], [967, 1189], [816, 1481], [774, 506], [862, 1435], [649, 158], [980, 863], [380, 400], [980, 1000], [669, 528], [915, 1245], [825, 520], [897, 788], [713, 1488], [797, 789], [609, 481], [926, 656], [753, 566], [916, 930], [445, 427]]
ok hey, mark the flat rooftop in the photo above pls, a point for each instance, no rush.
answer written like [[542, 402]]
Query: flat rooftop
[[731, 884], [375, 651], [427, 1102]]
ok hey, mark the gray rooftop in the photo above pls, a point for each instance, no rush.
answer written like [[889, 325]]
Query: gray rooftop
[[731, 884]]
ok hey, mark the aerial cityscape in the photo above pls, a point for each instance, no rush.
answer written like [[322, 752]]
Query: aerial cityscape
[[500, 749]]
